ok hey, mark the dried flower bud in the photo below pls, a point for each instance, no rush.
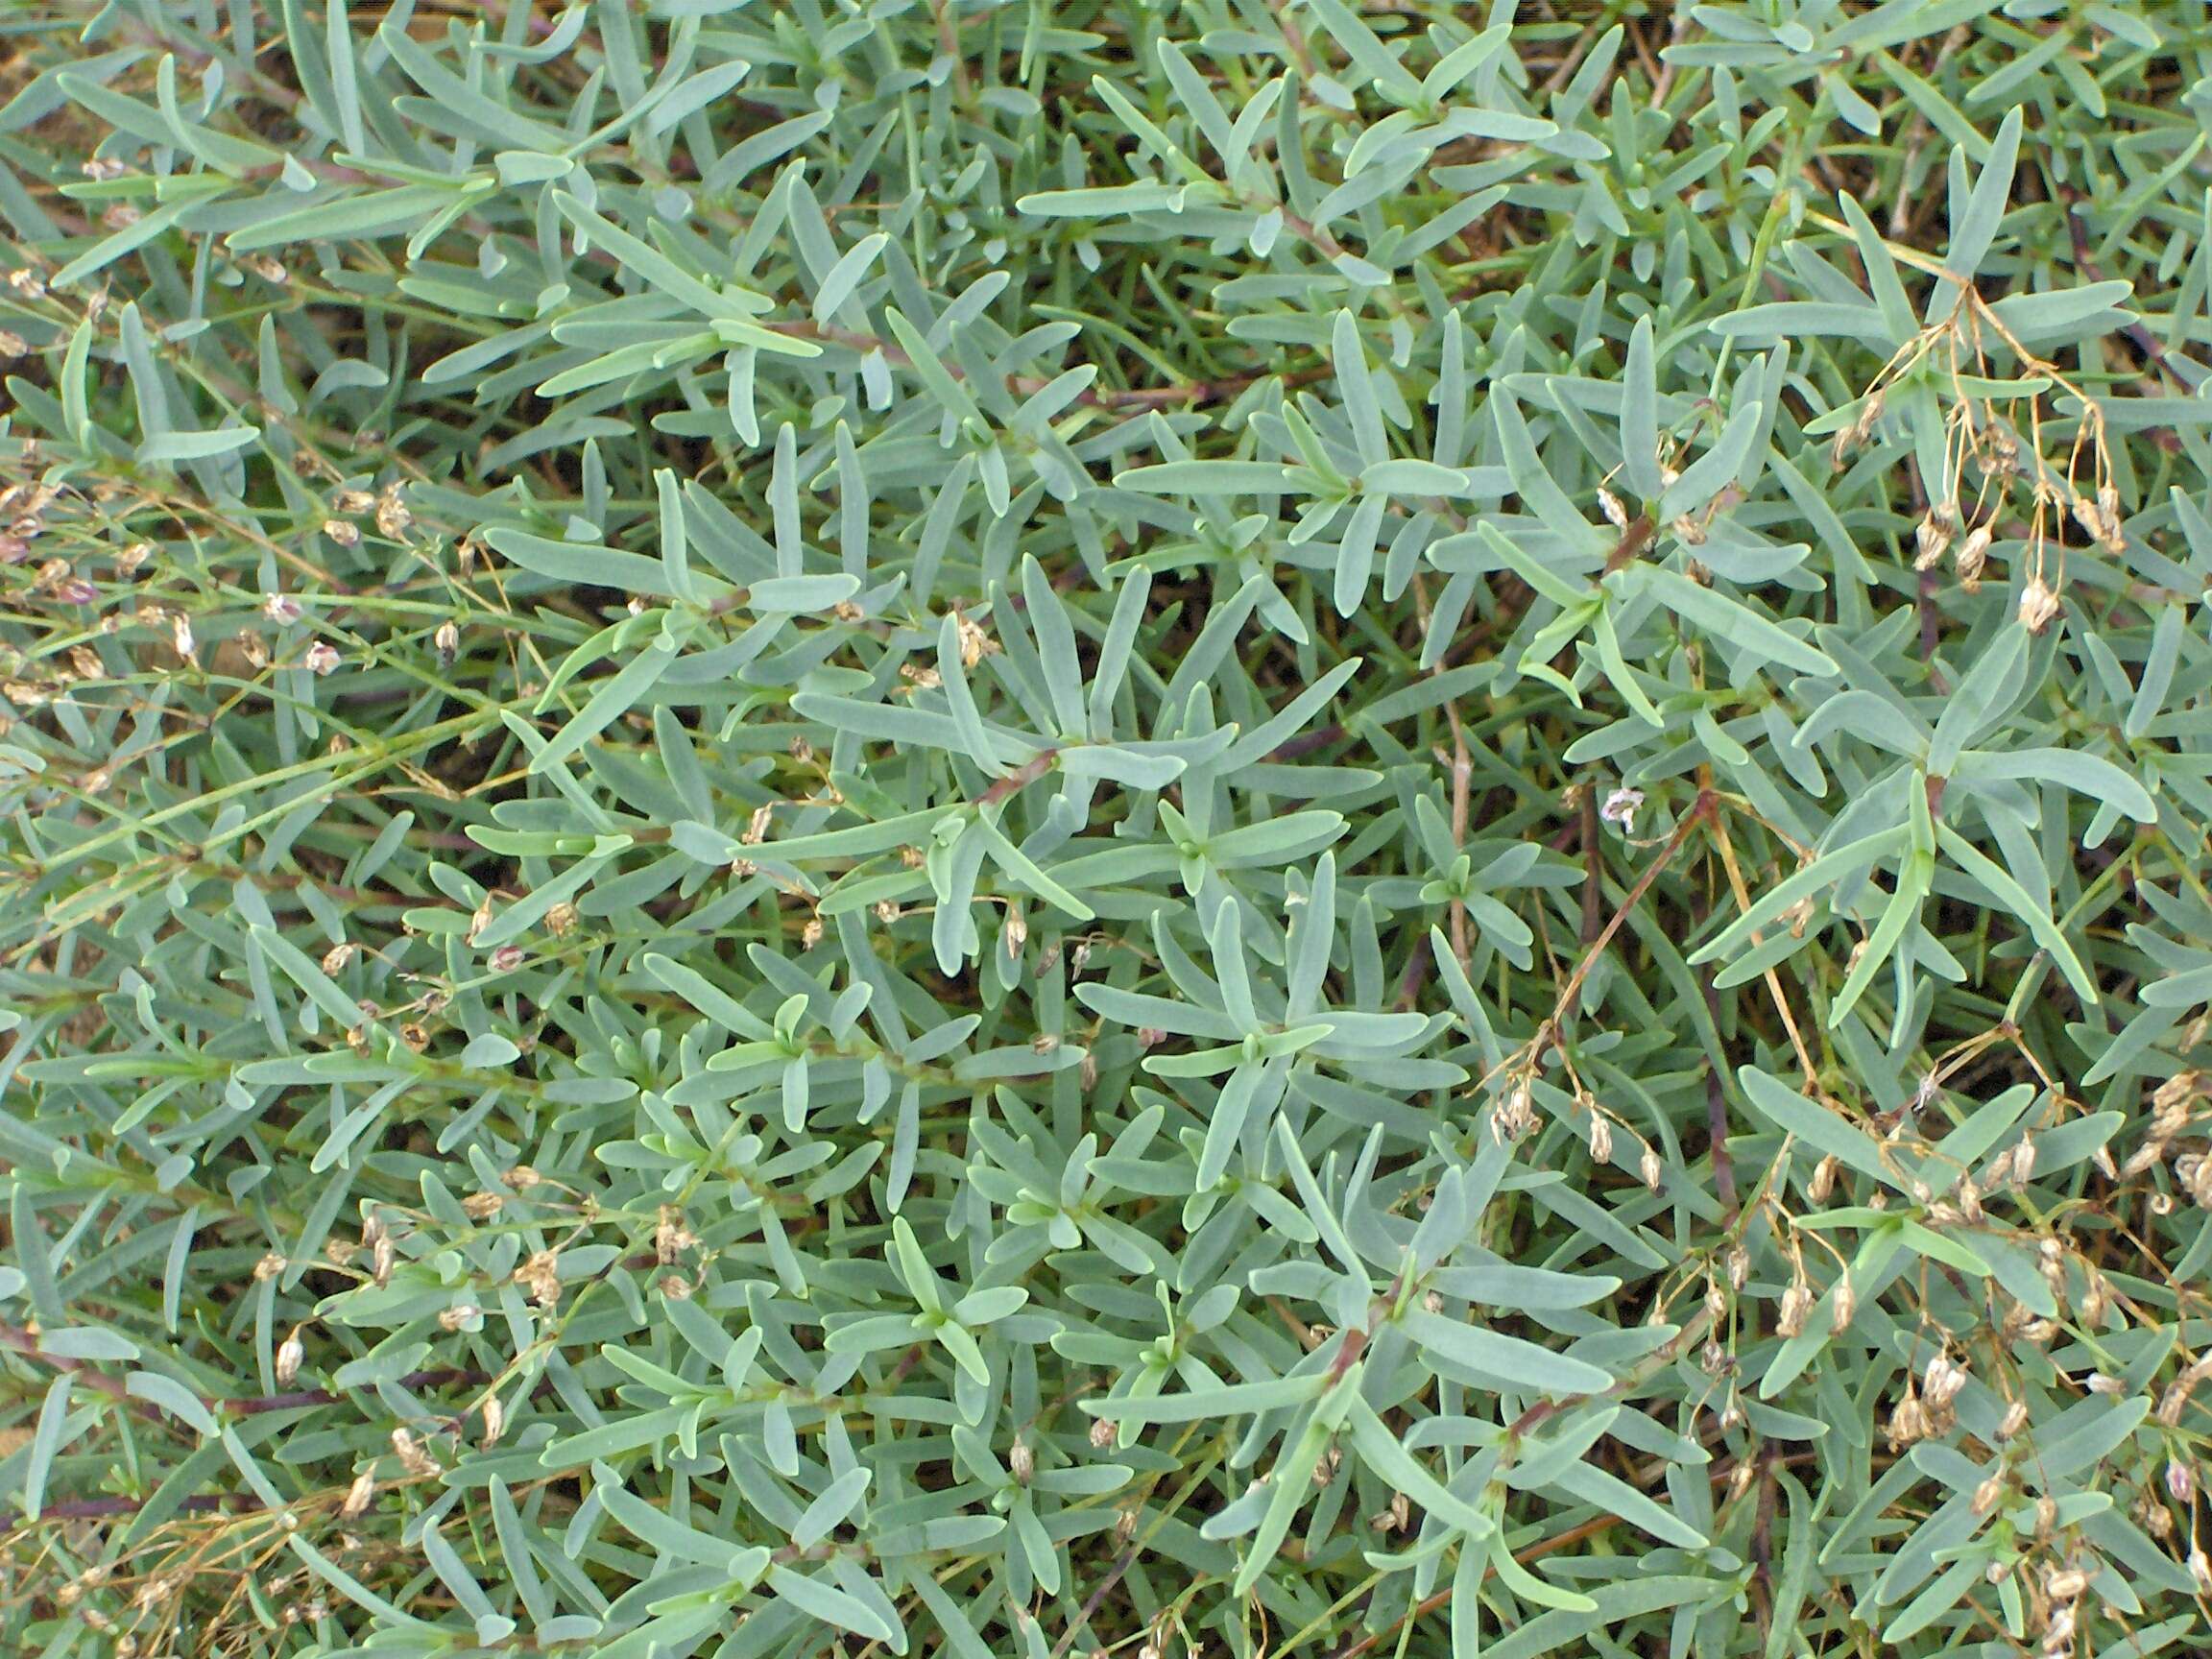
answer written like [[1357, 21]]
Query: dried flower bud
[[2180, 1482], [2039, 605], [1101, 1433], [671, 1238], [1651, 1166], [359, 1496], [1945, 1380], [1796, 1302], [460, 1316], [541, 1277], [2096, 1299], [2066, 1584], [505, 959], [1908, 1419], [322, 658], [1021, 1461], [344, 532], [269, 1266], [1600, 1136], [280, 608], [2172, 1402], [1932, 539], [1516, 1112], [2179, 1091], [289, 1353], [1844, 1304], [1970, 1202], [2200, 1571], [1974, 556], [495, 1420], [1988, 1494], [1609, 504], [1739, 1266], [976, 643], [391, 514], [412, 1457], [1822, 1186]]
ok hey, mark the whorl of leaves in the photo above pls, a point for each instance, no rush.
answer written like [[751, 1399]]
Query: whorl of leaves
[[1026, 827]]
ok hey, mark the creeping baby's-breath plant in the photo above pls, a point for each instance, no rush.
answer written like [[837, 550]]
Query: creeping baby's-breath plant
[[1049, 828]]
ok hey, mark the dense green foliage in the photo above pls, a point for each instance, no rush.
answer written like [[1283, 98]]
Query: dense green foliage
[[1034, 826]]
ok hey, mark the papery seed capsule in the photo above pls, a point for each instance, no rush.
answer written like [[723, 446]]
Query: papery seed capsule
[[1101, 1433], [1601, 1138], [1650, 1167], [1022, 1460], [2180, 1481], [495, 1420]]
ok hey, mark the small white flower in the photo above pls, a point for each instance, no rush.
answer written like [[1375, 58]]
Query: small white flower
[[1621, 808]]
